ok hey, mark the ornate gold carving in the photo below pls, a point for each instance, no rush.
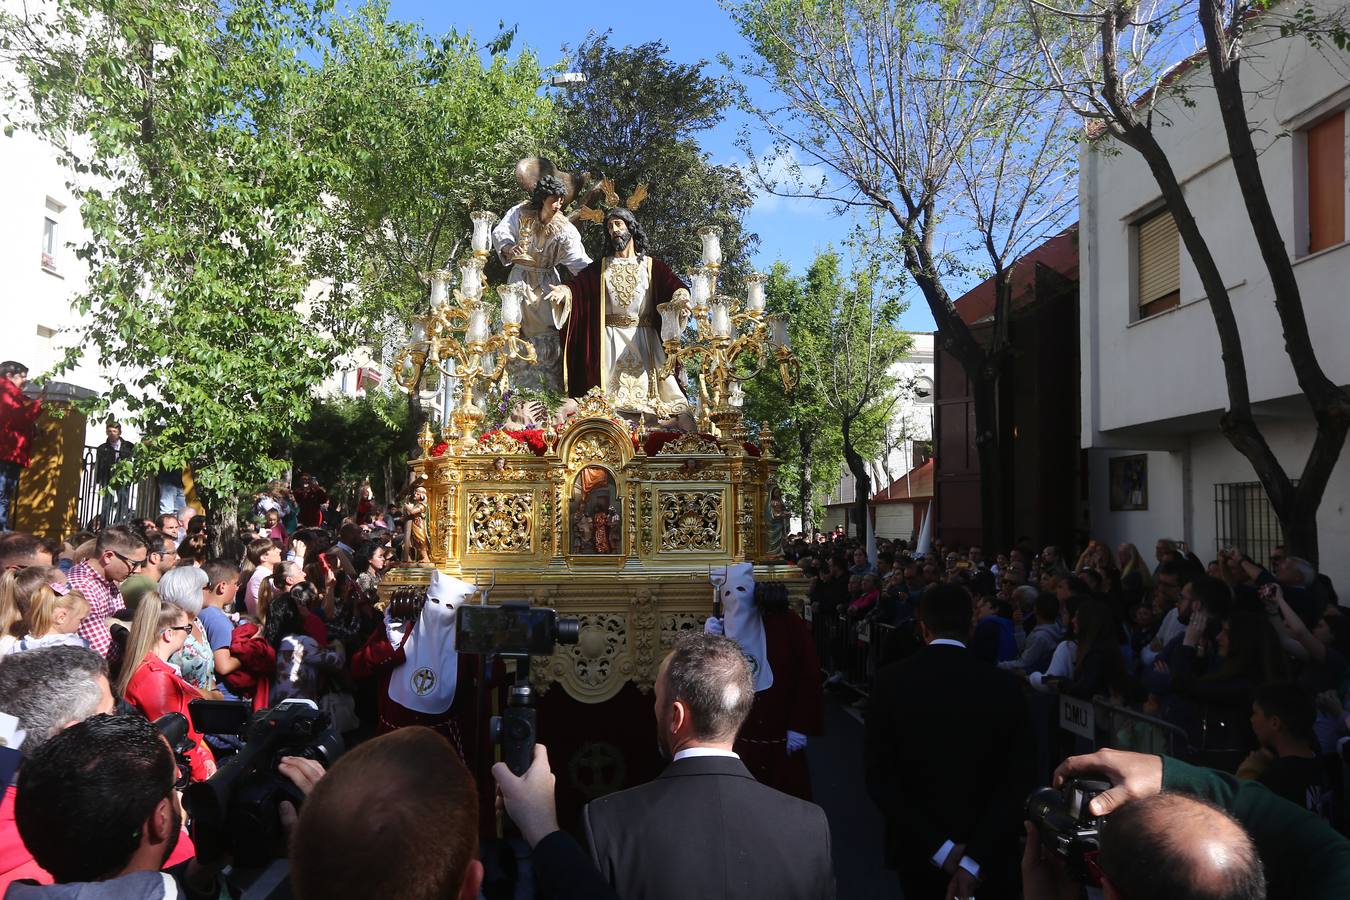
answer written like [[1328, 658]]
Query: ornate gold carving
[[500, 523], [594, 449], [595, 403], [623, 282], [445, 523], [691, 520], [689, 443], [597, 666], [646, 521], [644, 638], [499, 443]]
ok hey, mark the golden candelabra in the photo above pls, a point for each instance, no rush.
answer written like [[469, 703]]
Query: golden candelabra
[[456, 338], [727, 334]]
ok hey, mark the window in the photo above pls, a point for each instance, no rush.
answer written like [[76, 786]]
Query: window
[[1159, 264], [1244, 518], [51, 237], [1326, 183]]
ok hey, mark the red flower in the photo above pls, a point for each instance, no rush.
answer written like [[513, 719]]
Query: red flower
[[439, 449], [530, 437]]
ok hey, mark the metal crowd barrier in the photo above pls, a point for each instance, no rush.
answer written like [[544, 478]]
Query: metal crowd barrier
[[851, 648]]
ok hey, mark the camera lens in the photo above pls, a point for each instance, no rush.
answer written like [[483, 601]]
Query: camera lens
[[569, 630]]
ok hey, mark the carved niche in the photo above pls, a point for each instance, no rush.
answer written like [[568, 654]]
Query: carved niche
[[500, 522], [691, 521]]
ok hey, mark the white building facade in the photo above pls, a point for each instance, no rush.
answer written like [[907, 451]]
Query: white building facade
[[1153, 385], [910, 431]]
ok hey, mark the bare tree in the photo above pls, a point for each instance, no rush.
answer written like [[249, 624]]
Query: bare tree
[[895, 107], [1105, 59]]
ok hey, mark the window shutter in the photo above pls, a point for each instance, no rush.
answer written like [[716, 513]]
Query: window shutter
[[1326, 183], [1159, 258]]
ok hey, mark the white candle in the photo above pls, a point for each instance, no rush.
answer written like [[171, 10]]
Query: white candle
[[482, 230], [471, 279], [440, 287], [754, 301], [711, 236], [720, 318], [477, 332], [511, 303]]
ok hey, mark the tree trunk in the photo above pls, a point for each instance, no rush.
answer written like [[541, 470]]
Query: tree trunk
[[222, 525], [807, 445], [988, 447], [862, 482]]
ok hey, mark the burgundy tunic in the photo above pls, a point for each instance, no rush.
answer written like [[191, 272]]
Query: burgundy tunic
[[582, 352]]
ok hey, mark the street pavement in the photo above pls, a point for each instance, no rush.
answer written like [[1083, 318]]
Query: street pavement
[[856, 830]]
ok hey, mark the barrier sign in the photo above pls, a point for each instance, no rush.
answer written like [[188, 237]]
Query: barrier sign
[[1076, 716]]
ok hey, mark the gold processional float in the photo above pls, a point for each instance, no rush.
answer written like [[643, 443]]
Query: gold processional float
[[599, 517]]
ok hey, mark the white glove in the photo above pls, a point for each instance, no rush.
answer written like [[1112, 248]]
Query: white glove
[[394, 629], [714, 626], [795, 741]]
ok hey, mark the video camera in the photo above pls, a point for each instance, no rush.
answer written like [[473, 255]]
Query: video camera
[[516, 630], [236, 810], [174, 727], [1065, 826]]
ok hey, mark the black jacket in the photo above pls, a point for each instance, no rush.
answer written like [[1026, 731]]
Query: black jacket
[[106, 457], [705, 828], [950, 757]]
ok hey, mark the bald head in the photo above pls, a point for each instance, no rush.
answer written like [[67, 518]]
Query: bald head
[[1179, 847]]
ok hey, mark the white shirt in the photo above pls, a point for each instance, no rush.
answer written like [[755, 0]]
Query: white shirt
[[690, 752]]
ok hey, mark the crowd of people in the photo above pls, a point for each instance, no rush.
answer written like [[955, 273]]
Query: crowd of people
[[107, 636]]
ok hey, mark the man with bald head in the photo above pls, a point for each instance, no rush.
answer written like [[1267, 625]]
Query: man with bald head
[[705, 828]]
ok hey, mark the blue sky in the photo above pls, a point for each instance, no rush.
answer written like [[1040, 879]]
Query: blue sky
[[789, 229]]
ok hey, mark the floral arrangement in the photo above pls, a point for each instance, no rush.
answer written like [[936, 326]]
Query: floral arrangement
[[439, 449]]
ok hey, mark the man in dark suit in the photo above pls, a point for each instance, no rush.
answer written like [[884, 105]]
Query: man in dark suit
[[949, 760], [705, 828], [116, 501]]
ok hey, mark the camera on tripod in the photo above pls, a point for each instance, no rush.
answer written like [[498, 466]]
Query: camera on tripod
[[236, 810], [519, 631], [1066, 827]]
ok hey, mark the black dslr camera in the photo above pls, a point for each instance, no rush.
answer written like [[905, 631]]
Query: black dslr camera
[[235, 811], [516, 630], [174, 727], [1066, 827]]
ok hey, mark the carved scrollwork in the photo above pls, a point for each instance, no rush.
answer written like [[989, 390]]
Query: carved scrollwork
[[595, 403], [500, 523], [689, 443], [444, 522], [644, 639], [646, 517], [691, 520], [499, 443], [594, 668], [594, 449]]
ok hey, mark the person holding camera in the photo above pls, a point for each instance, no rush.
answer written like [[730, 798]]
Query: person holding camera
[[97, 807], [1168, 848]]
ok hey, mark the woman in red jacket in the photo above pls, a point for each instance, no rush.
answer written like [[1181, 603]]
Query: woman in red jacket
[[149, 683]]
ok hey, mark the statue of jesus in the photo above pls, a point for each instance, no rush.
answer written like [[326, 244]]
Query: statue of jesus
[[611, 336]]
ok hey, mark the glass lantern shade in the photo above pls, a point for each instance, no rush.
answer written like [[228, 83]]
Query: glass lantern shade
[[440, 287], [670, 321], [471, 279], [512, 302], [482, 231], [700, 282], [778, 331], [711, 236], [478, 331], [754, 301], [719, 317]]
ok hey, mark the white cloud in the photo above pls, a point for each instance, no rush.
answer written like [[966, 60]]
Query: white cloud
[[785, 170]]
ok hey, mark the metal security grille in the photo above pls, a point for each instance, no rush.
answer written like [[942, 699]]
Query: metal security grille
[[1244, 518]]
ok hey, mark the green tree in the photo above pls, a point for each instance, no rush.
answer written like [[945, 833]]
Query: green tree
[[430, 133], [908, 108], [198, 182], [1104, 57], [844, 334], [806, 437], [344, 441], [636, 121]]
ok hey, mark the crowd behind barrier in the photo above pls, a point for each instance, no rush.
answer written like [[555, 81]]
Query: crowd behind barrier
[[1237, 666]]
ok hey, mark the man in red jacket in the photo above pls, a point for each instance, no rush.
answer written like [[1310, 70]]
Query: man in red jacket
[[17, 416]]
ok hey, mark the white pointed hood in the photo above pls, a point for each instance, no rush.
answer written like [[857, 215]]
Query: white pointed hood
[[742, 622], [425, 683]]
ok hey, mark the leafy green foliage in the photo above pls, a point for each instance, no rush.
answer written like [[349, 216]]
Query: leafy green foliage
[[344, 440], [636, 120]]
